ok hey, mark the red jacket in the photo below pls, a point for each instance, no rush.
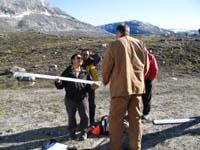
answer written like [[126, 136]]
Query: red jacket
[[153, 67]]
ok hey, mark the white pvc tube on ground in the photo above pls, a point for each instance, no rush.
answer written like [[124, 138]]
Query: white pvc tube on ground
[[172, 121]]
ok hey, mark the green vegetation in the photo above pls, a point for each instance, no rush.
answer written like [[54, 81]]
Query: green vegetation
[[176, 53], [36, 51]]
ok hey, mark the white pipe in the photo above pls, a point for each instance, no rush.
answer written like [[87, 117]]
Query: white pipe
[[172, 121], [42, 76]]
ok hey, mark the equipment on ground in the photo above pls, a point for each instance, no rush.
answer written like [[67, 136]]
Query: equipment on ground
[[172, 121]]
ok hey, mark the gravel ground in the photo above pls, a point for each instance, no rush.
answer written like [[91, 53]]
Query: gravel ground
[[30, 117]]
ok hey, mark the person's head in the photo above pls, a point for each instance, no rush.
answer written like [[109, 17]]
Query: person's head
[[85, 54], [76, 60], [122, 30]]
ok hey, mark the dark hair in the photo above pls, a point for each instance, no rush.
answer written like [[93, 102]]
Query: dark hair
[[84, 49], [73, 57], [123, 29]]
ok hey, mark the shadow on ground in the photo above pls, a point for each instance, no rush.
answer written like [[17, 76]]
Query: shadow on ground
[[152, 139], [38, 137], [34, 138]]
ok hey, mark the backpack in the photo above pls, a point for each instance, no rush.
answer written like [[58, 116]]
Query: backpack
[[101, 128], [104, 124], [153, 67], [96, 58]]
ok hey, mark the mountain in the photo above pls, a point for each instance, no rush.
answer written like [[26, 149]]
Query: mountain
[[136, 27], [185, 31], [40, 16]]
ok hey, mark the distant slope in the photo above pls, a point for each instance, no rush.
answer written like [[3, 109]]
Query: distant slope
[[136, 27], [40, 16], [36, 51], [185, 31]]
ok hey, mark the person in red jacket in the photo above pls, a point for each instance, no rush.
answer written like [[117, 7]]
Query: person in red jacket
[[149, 77]]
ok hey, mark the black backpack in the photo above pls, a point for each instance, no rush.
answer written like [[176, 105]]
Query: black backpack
[[104, 124], [96, 58]]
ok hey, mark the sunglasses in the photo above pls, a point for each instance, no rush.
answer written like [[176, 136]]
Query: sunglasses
[[78, 57]]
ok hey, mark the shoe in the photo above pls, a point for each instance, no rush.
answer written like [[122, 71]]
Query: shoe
[[125, 124], [146, 119], [83, 136]]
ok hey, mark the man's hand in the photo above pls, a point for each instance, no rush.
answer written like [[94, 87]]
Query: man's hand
[[58, 81], [95, 86], [107, 85]]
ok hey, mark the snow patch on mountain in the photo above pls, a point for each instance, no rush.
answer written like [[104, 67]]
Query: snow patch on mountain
[[29, 12], [40, 16]]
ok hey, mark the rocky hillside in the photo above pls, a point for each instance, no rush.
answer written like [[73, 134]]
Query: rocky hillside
[[36, 51], [136, 27], [185, 31], [40, 16]]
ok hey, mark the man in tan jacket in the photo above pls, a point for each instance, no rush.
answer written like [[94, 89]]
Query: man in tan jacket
[[124, 66]]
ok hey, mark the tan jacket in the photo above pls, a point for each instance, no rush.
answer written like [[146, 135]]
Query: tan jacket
[[124, 66]]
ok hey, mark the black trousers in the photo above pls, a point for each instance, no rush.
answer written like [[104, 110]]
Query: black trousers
[[92, 106], [72, 107], [146, 98]]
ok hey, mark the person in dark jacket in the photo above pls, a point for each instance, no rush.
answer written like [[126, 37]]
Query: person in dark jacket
[[76, 97], [149, 77]]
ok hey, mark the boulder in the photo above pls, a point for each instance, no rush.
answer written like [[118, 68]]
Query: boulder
[[53, 67], [14, 69]]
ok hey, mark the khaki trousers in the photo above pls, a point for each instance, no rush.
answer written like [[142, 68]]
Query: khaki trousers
[[119, 107]]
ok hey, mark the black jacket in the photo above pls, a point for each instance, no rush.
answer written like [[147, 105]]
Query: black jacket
[[74, 90]]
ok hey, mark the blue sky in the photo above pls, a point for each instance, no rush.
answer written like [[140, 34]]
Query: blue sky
[[167, 14]]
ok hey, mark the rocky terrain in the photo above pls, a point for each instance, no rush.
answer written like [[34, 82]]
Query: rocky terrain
[[30, 117], [40, 16], [31, 113], [36, 51]]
